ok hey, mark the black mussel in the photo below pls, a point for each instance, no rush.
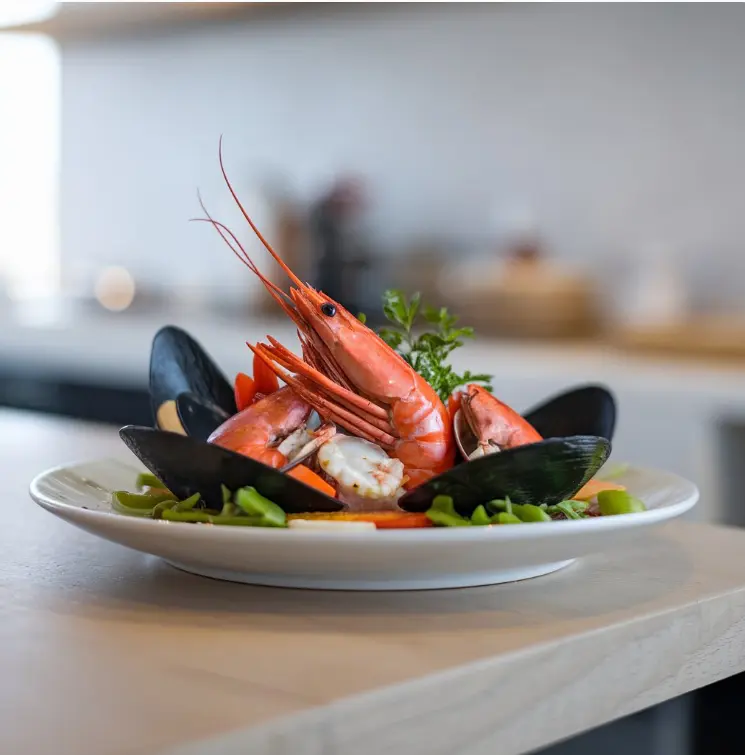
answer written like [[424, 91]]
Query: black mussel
[[198, 417], [178, 364], [187, 466], [546, 472], [587, 410]]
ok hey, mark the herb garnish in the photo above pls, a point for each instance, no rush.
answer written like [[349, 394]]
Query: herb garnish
[[427, 353]]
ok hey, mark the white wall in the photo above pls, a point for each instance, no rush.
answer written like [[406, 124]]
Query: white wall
[[618, 123]]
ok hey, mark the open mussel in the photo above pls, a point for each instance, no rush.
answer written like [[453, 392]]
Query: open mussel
[[186, 466], [178, 365], [547, 472], [586, 410], [199, 417]]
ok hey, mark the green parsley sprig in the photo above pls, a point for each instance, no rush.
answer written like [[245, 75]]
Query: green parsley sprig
[[428, 352]]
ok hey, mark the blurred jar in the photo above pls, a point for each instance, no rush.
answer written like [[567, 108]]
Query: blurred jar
[[515, 290]]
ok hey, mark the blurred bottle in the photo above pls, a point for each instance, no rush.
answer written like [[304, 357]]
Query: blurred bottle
[[657, 295], [289, 240], [339, 248]]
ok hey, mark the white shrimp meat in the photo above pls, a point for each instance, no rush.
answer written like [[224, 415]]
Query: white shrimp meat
[[365, 476]]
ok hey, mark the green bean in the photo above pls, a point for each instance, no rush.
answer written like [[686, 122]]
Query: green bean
[[254, 504], [500, 504], [612, 502], [205, 518], [442, 511], [576, 508], [159, 508], [136, 504], [480, 517], [567, 509], [229, 509], [504, 517], [527, 512], [116, 506], [147, 480], [140, 500], [188, 504]]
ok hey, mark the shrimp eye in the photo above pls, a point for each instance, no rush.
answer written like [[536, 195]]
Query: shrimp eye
[[328, 309]]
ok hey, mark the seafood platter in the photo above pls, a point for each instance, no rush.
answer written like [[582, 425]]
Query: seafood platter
[[358, 459]]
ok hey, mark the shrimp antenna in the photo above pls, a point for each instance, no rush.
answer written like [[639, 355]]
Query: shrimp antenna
[[261, 238], [226, 234], [242, 255]]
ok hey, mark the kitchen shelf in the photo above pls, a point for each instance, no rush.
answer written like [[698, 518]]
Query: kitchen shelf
[[79, 21]]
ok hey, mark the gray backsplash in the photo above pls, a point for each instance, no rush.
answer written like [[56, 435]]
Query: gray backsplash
[[618, 124]]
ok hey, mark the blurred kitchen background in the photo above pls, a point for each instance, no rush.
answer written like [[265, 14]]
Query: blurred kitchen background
[[569, 178]]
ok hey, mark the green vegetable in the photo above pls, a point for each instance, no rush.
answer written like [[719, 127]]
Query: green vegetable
[[480, 517], [126, 502], [249, 509], [229, 509], [442, 512], [500, 504], [613, 502], [188, 503], [147, 480], [527, 512], [568, 510], [505, 518], [255, 505], [362, 317], [206, 518], [129, 510], [159, 508], [429, 352]]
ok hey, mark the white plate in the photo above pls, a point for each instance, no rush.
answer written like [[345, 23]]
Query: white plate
[[380, 560]]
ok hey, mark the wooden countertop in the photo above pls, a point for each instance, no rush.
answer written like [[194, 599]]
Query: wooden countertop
[[109, 652]]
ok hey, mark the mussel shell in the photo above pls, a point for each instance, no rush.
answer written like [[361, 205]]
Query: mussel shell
[[465, 439], [187, 466], [178, 364], [198, 417], [546, 472], [586, 410]]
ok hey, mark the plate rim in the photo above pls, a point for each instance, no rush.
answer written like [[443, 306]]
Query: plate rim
[[538, 530]]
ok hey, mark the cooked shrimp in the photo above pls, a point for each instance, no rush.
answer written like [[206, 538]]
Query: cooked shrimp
[[495, 425], [273, 430], [349, 375]]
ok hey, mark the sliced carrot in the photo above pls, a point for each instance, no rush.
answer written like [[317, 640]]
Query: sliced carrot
[[264, 379], [245, 390], [383, 520], [593, 487], [310, 478], [397, 520]]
